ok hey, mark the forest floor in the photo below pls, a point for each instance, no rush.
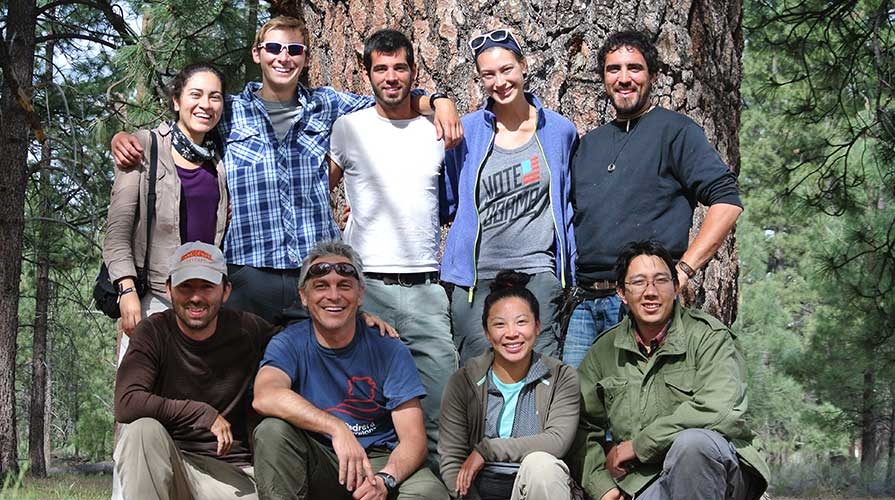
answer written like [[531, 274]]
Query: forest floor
[[61, 487]]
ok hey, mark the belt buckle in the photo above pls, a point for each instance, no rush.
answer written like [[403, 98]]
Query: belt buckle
[[603, 285], [400, 280]]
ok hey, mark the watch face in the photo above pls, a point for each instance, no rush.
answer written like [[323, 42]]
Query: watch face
[[388, 479]]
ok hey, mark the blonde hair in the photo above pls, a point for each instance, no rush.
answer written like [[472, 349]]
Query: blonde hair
[[283, 23]]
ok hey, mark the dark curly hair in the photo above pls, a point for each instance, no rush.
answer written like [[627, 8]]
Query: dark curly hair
[[634, 39], [387, 41]]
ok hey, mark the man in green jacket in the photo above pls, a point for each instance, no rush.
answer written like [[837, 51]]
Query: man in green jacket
[[664, 397]]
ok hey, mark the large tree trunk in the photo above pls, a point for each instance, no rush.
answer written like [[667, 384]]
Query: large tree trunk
[[700, 42], [17, 57], [868, 425], [37, 418], [37, 421], [890, 461]]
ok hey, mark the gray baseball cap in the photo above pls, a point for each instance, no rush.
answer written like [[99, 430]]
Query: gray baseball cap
[[197, 260]]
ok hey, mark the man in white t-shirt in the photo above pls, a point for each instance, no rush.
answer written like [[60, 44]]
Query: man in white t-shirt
[[391, 162]]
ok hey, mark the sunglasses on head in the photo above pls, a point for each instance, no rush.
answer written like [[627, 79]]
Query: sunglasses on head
[[323, 268], [499, 35], [294, 49]]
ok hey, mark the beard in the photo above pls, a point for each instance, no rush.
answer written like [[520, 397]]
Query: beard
[[625, 108], [391, 102]]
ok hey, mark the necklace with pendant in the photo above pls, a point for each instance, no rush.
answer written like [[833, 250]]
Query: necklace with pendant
[[629, 131]]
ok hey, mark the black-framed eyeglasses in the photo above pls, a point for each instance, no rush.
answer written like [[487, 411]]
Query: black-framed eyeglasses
[[294, 49], [638, 285], [341, 268], [498, 35]]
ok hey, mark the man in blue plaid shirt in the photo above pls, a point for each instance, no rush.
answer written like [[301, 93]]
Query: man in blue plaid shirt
[[276, 136]]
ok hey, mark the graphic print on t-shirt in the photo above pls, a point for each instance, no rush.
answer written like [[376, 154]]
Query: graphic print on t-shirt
[[360, 404], [510, 193]]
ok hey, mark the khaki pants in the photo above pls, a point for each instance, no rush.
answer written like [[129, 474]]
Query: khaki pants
[[150, 304], [150, 466], [542, 476]]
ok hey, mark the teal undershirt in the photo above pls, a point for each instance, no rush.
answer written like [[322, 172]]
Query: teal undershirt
[[510, 393]]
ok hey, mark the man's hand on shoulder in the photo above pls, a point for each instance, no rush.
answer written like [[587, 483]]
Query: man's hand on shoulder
[[447, 123], [374, 321], [354, 466], [372, 488], [127, 150], [221, 430]]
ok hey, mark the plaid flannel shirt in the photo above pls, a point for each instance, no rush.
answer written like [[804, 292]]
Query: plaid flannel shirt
[[279, 191]]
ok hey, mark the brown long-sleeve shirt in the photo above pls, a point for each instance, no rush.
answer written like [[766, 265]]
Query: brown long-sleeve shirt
[[185, 384]]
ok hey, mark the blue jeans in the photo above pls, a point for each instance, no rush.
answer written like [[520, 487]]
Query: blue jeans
[[590, 319]]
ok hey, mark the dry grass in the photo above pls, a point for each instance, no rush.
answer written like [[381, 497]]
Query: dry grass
[[65, 486]]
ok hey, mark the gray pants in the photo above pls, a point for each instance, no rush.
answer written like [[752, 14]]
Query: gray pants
[[290, 464], [466, 317], [420, 314], [701, 464], [151, 467]]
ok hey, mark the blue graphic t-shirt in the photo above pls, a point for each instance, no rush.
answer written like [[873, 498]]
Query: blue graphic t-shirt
[[360, 383]]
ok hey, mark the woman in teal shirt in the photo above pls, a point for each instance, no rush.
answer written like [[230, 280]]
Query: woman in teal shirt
[[510, 414]]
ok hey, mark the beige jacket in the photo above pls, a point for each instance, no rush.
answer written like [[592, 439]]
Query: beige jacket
[[124, 248]]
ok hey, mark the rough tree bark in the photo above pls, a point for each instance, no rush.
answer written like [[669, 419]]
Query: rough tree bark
[[17, 63], [868, 425], [37, 415], [700, 43], [890, 459]]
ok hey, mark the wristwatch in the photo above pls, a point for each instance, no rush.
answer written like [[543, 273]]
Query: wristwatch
[[689, 271], [435, 96], [391, 484]]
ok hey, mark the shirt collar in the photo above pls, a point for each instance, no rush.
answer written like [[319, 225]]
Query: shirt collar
[[649, 349]]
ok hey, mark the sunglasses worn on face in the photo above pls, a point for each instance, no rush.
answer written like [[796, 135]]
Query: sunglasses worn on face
[[294, 49], [323, 268], [499, 35]]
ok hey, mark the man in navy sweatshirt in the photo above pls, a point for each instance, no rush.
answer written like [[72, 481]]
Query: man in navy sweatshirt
[[640, 177]]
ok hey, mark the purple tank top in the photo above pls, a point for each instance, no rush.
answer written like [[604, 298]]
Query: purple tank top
[[199, 198]]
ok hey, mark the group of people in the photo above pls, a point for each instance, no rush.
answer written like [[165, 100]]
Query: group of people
[[457, 380]]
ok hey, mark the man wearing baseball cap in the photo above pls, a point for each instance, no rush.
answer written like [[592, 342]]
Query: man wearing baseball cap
[[182, 387]]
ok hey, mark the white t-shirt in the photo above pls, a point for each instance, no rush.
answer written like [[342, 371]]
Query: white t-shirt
[[391, 170]]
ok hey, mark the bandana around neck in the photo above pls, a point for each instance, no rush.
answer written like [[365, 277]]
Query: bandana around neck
[[189, 150]]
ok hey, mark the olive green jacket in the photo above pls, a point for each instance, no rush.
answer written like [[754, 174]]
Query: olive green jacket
[[695, 379]]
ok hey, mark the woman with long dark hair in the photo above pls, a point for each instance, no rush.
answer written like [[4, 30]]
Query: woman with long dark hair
[[191, 195]]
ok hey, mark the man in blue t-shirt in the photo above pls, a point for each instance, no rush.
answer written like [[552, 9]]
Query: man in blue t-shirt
[[343, 401]]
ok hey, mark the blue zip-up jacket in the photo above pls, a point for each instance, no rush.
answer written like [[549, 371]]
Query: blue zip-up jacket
[[557, 138]]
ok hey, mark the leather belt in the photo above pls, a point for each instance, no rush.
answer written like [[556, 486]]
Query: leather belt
[[601, 285], [404, 279]]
